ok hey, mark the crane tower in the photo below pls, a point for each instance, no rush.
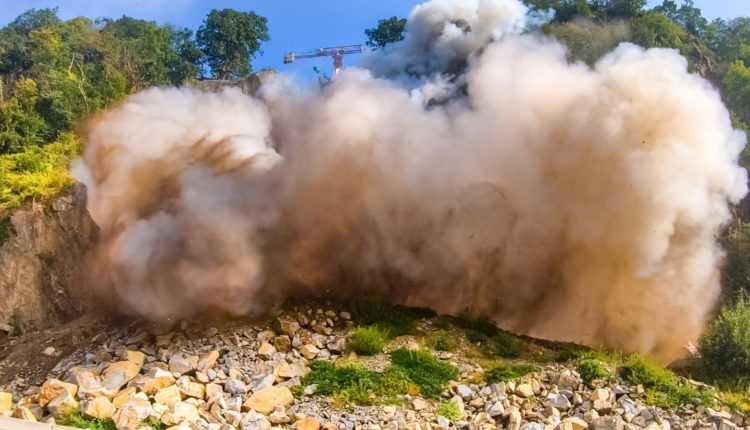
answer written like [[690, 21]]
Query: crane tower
[[337, 52]]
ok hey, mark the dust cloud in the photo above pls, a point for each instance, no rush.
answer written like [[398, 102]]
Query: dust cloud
[[470, 166]]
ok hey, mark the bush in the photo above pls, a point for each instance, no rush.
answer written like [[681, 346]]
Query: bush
[[424, 370], [393, 319], [592, 370], [448, 410], [725, 346], [442, 340], [76, 420], [662, 387], [508, 372], [369, 340], [505, 345]]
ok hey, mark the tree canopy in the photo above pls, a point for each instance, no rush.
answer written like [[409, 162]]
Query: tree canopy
[[388, 31], [229, 39]]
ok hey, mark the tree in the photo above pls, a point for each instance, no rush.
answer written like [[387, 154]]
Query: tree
[[654, 30], [565, 10], [688, 15], [737, 84], [388, 31], [621, 9], [229, 39]]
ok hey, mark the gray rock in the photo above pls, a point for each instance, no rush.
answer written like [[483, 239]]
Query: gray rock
[[532, 426], [496, 409], [608, 423], [465, 392], [235, 387], [254, 421], [559, 401]]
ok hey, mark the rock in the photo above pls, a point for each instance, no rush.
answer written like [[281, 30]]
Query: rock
[[98, 407], [338, 346], [53, 388], [156, 380], [726, 425], [235, 387], [191, 389], [26, 414], [279, 416], [608, 423], [266, 351], [600, 394], [524, 391], [514, 419], [179, 412], [135, 357], [568, 381], [286, 325], [207, 361], [559, 401], [496, 409], [574, 423], [458, 401], [419, 404], [89, 385], [265, 400], [254, 421], [532, 426], [345, 315], [168, 396], [181, 364], [130, 415], [307, 423], [309, 351], [123, 396], [6, 403], [119, 374], [465, 392], [602, 406], [282, 343], [63, 405], [282, 370]]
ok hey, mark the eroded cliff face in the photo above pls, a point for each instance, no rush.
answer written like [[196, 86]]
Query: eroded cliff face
[[42, 278]]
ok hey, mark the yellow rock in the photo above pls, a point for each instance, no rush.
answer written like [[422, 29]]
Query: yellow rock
[[99, 407], [123, 396], [207, 361], [6, 403], [135, 357], [265, 400], [24, 413], [52, 388], [180, 412], [62, 405], [156, 380], [307, 423], [191, 389], [168, 396], [119, 374], [283, 370]]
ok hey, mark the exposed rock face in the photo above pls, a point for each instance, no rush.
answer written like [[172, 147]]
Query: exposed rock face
[[41, 270]]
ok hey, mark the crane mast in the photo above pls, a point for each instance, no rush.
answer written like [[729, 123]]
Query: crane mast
[[337, 52]]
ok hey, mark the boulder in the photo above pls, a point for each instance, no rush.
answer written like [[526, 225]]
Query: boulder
[[63, 405], [307, 423], [98, 407], [286, 325], [120, 373], [265, 400], [53, 388], [180, 363], [254, 421], [168, 396], [6, 403]]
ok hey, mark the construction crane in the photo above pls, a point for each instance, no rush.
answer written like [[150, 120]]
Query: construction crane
[[336, 52]]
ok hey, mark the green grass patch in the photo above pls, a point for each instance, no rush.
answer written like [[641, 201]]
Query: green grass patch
[[7, 230], [737, 402], [477, 325], [396, 320], [663, 389], [76, 420], [508, 372], [448, 410], [424, 370], [155, 424], [483, 330], [442, 340], [725, 347], [591, 370], [369, 340]]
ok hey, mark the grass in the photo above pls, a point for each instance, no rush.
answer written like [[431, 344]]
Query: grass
[[155, 424], [38, 173], [737, 402], [442, 340], [7, 230], [448, 410], [508, 372], [429, 373], [663, 389], [396, 320], [483, 330], [591, 370], [725, 346], [369, 340], [76, 420]]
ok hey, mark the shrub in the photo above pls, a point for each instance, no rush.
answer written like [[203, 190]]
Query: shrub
[[7, 230], [725, 346], [393, 319], [662, 387], [504, 345], [442, 340], [331, 379], [369, 340], [476, 325], [424, 370], [508, 372], [591, 370], [76, 420], [448, 410]]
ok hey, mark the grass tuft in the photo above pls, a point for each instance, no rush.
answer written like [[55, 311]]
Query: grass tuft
[[448, 410], [508, 372], [591, 370], [424, 370], [76, 420], [369, 340], [393, 319], [442, 340], [663, 389]]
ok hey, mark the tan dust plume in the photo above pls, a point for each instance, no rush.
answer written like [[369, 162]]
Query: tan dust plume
[[565, 202]]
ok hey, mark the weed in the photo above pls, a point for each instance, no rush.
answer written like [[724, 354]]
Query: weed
[[508, 372], [504, 345], [737, 402], [448, 410], [331, 379], [76, 420], [478, 325], [424, 370], [591, 370], [394, 319], [155, 424], [369, 340], [442, 340], [663, 388]]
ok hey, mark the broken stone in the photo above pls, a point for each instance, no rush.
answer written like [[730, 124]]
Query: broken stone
[[6, 403], [53, 388], [419, 404], [600, 394], [235, 387], [265, 400], [123, 396], [559, 401], [254, 421], [309, 351], [279, 416], [179, 412], [26, 414], [464, 391], [608, 423], [63, 405], [307, 423], [574, 423], [286, 325], [135, 357], [89, 385], [266, 351], [168, 396], [119, 374], [496, 409], [181, 364], [514, 419], [282, 343], [98, 407], [524, 391], [156, 380], [207, 361], [191, 389]]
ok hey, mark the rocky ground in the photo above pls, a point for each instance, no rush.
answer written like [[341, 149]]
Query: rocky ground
[[222, 375]]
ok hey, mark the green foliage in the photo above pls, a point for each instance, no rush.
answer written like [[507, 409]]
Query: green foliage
[[592, 370], [620, 9], [429, 373], [369, 340], [587, 40], [76, 420], [442, 340], [737, 83], [505, 345], [7, 230], [388, 31], [663, 389], [654, 30], [448, 410], [155, 424], [687, 15], [508, 372], [725, 346], [483, 330], [229, 39], [393, 319]]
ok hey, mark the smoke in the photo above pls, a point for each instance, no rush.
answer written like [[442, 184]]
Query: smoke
[[565, 202]]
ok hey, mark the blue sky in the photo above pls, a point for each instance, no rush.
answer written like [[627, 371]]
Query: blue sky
[[294, 24]]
